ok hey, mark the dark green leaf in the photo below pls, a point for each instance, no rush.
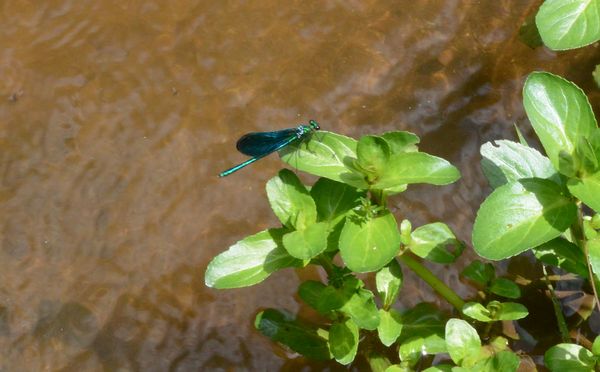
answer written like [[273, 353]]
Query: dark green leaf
[[505, 288], [308, 243], [569, 24], [421, 321], [462, 341], [343, 341], [569, 357], [333, 199], [586, 154], [479, 272], [528, 33], [321, 297], [290, 200], [567, 164], [284, 328], [503, 361], [519, 216], [559, 112], [416, 167], [368, 244], [509, 161], [249, 261], [323, 156], [362, 309], [390, 326], [388, 281], [435, 242], [562, 253]]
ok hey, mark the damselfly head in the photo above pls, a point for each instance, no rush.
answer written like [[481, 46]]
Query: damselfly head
[[314, 125]]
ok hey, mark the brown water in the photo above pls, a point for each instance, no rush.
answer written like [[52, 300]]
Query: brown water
[[116, 117]]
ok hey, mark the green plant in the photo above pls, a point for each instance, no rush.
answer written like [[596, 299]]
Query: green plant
[[568, 24]]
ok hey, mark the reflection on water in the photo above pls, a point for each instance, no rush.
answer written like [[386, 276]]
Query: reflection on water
[[116, 117]]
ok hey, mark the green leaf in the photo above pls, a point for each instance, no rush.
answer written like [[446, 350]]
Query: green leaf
[[333, 199], [593, 248], [373, 153], [435, 242], [519, 216], [321, 297], [401, 141], [596, 346], [368, 244], [284, 328], [249, 261], [323, 155], [462, 341], [510, 161], [290, 200], [440, 368], [343, 341], [412, 349], [569, 24], [421, 321], [477, 311], [586, 154], [504, 361], [559, 112], [510, 311], [308, 243], [416, 167], [587, 189], [479, 272], [569, 357], [562, 253], [362, 309], [389, 281], [505, 288], [390, 326]]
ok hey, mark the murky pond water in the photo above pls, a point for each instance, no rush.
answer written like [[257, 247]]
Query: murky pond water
[[116, 117]]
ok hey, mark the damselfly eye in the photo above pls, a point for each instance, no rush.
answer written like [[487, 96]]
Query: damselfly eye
[[314, 125]]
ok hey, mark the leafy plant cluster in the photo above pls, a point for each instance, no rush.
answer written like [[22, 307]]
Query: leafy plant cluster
[[547, 204]]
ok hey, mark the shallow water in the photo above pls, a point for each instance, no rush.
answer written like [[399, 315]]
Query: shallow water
[[116, 117]]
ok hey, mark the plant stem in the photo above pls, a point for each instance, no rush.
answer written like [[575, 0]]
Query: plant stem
[[577, 231], [440, 287], [325, 262], [560, 318]]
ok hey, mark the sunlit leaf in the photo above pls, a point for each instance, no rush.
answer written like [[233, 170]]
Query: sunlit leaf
[[290, 200], [388, 281], [569, 357], [249, 261], [462, 341], [390, 326], [416, 167], [343, 341], [569, 24], [435, 242], [519, 216], [308, 243], [587, 189]]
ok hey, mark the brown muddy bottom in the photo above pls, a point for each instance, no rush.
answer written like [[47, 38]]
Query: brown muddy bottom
[[116, 117]]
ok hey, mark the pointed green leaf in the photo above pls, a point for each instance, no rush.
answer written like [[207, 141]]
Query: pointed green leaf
[[569, 357], [511, 311], [308, 243], [569, 24], [343, 341], [587, 189], [462, 341], [559, 112], [299, 336], [388, 281], [323, 155], [508, 161], [519, 216], [368, 244], [416, 167], [505, 288], [477, 311], [390, 326], [249, 261], [290, 200], [435, 242], [562, 253]]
